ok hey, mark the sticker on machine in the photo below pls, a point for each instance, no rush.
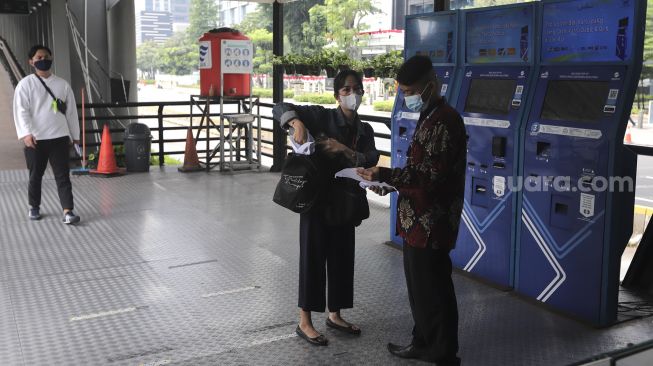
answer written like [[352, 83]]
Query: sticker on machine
[[486, 122], [205, 55], [570, 131], [587, 204], [409, 115], [499, 185], [443, 90]]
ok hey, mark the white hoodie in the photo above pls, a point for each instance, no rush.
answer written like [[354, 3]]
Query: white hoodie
[[33, 112]]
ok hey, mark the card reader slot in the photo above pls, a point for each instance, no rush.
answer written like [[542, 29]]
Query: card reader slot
[[543, 148], [560, 214], [498, 146], [480, 196]]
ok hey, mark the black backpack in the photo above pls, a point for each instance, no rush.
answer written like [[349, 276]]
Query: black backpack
[[299, 185]]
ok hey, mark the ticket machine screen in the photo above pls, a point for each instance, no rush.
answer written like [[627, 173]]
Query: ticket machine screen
[[490, 96], [574, 100]]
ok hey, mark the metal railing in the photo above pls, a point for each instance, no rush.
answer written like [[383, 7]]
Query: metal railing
[[266, 115], [163, 125], [9, 59]]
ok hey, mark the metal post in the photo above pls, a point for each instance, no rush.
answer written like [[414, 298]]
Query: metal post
[[279, 136], [161, 155]]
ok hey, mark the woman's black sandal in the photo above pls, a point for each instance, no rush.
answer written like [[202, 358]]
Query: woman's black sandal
[[346, 329], [320, 340]]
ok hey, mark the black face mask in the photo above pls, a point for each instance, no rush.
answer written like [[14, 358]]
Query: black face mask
[[43, 65]]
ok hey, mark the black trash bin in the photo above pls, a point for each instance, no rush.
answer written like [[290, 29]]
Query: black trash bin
[[138, 141]]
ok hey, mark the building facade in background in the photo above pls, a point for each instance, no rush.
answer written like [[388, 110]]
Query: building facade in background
[[233, 12], [156, 20], [153, 26], [180, 14]]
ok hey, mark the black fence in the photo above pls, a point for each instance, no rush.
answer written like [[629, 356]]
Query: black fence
[[120, 115]]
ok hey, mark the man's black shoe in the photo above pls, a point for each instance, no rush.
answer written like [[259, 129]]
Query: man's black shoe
[[408, 351]]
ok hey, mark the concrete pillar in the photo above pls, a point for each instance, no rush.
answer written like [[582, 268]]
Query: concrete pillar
[[61, 40], [121, 24]]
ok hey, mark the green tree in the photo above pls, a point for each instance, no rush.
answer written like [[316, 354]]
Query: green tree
[[262, 41], [203, 17], [147, 58], [343, 20], [295, 15], [648, 38], [177, 56], [315, 30], [261, 18]]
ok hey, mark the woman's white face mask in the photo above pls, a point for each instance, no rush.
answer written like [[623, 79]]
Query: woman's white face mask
[[351, 102]]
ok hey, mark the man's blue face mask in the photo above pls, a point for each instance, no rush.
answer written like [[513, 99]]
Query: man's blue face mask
[[43, 65], [415, 102]]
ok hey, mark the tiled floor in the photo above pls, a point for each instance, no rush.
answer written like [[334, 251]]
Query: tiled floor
[[201, 269]]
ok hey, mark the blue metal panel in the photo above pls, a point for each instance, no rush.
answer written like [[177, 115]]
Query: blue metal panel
[[500, 52], [572, 230], [434, 35], [485, 244]]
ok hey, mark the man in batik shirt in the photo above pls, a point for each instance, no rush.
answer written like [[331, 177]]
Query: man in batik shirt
[[431, 188]]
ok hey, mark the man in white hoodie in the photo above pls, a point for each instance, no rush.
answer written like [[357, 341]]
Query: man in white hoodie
[[46, 120]]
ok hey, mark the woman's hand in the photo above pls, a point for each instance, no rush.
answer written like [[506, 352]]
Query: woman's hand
[[371, 174], [300, 135], [332, 146]]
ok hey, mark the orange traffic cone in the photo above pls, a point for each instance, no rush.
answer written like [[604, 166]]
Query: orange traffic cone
[[191, 161], [628, 138], [107, 166]]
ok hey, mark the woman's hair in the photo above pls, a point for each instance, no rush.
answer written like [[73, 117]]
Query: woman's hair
[[35, 49], [341, 78]]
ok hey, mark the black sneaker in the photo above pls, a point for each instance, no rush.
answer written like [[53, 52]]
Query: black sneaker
[[34, 214], [70, 218]]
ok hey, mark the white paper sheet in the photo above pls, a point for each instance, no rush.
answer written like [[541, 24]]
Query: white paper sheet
[[351, 174]]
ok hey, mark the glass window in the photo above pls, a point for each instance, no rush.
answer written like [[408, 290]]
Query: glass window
[[419, 6], [467, 4]]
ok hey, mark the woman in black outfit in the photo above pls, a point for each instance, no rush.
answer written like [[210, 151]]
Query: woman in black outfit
[[327, 249]]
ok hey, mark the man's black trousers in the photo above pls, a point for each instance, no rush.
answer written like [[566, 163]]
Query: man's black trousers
[[56, 152], [432, 302], [326, 254]]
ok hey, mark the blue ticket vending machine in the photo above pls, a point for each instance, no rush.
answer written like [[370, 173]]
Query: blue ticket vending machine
[[493, 100], [434, 35], [576, 216]]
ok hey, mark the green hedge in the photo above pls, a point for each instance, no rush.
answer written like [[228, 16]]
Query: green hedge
[[315, 98], [167, 160], [267, 93], [384, 105]]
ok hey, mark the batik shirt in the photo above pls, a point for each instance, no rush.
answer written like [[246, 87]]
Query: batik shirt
[[431, 186]]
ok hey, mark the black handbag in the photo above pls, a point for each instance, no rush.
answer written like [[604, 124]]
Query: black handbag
[[299, 185], [345, 203]]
